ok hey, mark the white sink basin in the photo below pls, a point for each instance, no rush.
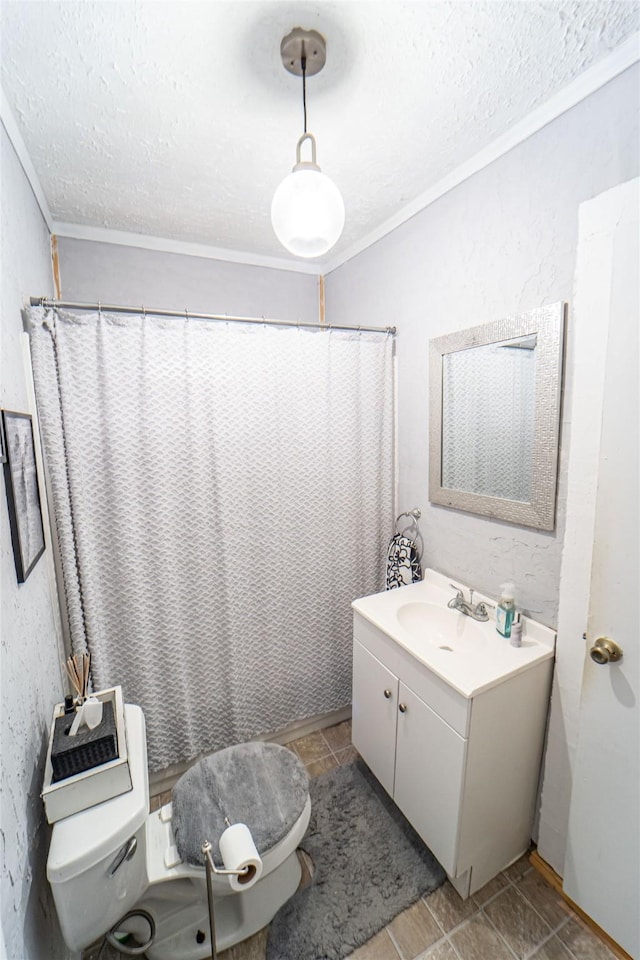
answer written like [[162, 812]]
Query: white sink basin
[[469, 655], [446, 629]]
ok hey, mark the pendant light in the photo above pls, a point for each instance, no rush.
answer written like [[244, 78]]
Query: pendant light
[[307, 210]]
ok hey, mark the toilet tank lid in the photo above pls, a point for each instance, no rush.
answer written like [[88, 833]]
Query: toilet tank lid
[[84, 839]]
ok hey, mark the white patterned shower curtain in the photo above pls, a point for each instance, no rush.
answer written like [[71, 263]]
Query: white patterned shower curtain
[[221, 493]]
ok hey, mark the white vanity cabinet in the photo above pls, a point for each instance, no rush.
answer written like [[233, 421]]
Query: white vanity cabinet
[[463, 770]]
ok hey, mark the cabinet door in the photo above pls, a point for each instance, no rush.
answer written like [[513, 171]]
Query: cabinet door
[[429, 776], [375, 709]]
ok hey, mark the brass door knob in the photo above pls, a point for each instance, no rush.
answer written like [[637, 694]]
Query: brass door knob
[[387, 694], [402, 707], [605, 650]]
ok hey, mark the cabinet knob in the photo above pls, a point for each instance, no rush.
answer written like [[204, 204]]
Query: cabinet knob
[[402, 707], [387, 694]]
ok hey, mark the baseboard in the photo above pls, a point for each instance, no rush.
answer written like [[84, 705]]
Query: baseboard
[[163, 780], [302, 728], [555, 880]]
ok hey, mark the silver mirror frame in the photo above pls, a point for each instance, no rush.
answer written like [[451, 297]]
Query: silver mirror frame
[[548, 325]]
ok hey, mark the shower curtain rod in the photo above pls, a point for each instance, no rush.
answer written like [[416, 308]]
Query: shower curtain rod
[[118, 308]]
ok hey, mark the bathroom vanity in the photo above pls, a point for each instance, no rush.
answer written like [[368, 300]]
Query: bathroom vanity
[[451, 718]]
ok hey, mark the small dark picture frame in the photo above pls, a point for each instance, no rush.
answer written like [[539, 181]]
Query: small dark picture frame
[[23, 496]]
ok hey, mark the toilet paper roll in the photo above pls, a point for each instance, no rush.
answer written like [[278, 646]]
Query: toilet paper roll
[[238, 851]]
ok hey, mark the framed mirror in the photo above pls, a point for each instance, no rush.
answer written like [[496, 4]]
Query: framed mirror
[[494, 394]]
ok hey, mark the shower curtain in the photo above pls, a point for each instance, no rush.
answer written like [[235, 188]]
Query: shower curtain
[[221, 493]]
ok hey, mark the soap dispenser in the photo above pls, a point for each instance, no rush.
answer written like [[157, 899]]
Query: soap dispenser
[[506, 609]]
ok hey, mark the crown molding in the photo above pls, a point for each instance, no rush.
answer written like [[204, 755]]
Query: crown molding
[[15, 137], [596, 76], [615, 63], [79, 231]]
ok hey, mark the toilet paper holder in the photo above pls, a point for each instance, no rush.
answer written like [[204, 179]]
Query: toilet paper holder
[[210, 870], [210, 865]]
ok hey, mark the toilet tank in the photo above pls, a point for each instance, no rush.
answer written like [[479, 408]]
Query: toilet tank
[[97, 858]]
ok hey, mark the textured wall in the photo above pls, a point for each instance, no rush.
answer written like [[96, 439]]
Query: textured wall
[[30, 651], [110, 273], [501, 243]]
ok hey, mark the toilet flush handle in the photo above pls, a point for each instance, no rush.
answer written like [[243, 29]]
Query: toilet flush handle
[[124, 853]]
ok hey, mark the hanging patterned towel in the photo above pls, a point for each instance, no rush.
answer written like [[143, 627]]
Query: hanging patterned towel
[[403, 562]]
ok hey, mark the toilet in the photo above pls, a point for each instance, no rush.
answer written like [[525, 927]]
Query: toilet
[[116, 859]]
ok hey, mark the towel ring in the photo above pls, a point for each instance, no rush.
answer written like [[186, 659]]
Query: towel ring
[[411, 529], [414, 515]]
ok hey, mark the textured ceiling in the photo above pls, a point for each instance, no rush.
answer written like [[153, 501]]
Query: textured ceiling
[[178, 120]]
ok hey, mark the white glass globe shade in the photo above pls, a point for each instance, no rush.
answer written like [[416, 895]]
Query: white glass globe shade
[[307, 213]]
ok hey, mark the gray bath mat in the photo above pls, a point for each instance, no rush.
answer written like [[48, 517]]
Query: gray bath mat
[[369, 866]]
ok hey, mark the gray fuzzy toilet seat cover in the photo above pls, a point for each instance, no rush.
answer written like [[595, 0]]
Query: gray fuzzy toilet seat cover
[[261, 784]]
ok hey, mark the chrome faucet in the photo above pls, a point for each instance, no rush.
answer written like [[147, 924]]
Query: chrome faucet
[[477, 612]]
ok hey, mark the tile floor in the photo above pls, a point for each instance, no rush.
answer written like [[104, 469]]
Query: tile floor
[[517, 916]]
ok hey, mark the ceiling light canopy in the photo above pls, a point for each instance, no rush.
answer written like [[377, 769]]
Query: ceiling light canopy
[[307, 210]]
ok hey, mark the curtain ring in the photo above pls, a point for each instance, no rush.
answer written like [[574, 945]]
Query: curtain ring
[[144, 312], [99, 309], [186, 313]]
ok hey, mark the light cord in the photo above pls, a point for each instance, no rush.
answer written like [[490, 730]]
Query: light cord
[[303, 62]]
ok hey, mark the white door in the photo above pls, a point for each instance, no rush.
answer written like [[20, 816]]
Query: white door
[[603, 851]]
